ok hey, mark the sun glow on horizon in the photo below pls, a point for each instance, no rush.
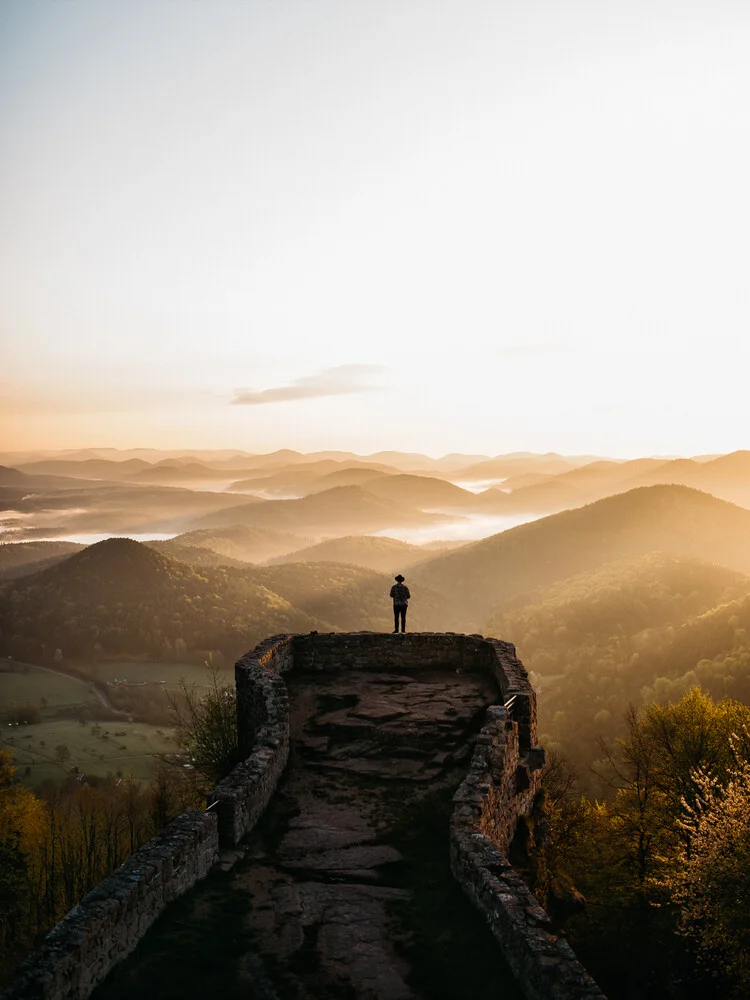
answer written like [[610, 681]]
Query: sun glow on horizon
[[472, 227]]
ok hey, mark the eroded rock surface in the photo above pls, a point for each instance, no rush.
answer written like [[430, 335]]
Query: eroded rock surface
[[345, 889]]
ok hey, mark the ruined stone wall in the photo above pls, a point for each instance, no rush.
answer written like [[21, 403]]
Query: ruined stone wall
[[108, 923], [378, 651], [263, 734], [499, 788]]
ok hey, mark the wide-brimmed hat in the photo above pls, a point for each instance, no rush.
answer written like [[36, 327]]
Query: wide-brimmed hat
[[399, 578]]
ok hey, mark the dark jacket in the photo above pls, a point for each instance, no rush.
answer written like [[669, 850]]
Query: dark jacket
[[400, 593]]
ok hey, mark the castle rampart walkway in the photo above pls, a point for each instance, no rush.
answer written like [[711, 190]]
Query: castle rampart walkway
[[344, 889]]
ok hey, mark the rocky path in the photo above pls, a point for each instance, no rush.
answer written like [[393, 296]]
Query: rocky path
[[344, 889]]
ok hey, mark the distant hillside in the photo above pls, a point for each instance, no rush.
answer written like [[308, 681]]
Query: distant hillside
[[422, 492], [338, 511], [78, 507], [517, 464], [627, 633], [289, 483], [384, 555], [350, 476], [12, 477], [584, 484], [350, 597], [92, 468], [309, 477], [121, 597], [673, 519], [240, 542], [175, 471], [617, 599], [195, 555], [727, 476], [19, 559], [21, 553]]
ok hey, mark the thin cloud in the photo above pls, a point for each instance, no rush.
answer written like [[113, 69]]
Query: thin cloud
[[339, 381]]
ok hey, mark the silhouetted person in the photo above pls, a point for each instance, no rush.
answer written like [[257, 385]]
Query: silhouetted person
[[400, 595]]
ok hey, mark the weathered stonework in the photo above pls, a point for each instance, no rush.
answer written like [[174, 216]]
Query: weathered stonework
[[498, 789], [263, 732], [502, 780], [108, 923]]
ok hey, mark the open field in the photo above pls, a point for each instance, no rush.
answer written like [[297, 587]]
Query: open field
[[100, 748], [95, 748], [152, 672], [29, 684]]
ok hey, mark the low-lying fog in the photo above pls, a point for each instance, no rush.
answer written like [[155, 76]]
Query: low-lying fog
[[477, 486], [469, 529], [94, 537]]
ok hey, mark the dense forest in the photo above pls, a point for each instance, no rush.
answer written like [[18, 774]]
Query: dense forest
[[56, 846], [629, 633], [650, 882]]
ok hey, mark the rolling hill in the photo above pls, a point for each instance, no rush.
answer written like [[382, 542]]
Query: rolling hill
[[194, 555], [673, 519], [237, 542], [384, 555], [422, 492], [23, 553], [19, 559], [627, 633], [349, 597], [122, 597], [91, 468], [338, 511], [99, 507], [727, 476], [309, 477], [517, 464]]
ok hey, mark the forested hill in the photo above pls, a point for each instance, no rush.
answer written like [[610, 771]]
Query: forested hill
[[21, 558], [237, 542], [625, 634], [675, 519], [122, 597], [341, 509], [387, 555]]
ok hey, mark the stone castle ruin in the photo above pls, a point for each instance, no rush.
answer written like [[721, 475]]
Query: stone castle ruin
[[368, 829]]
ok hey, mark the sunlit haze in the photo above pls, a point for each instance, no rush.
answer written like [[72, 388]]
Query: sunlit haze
[[466, 226]]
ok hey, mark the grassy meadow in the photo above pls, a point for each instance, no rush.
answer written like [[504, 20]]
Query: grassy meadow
[[97, 748], [150, 671]]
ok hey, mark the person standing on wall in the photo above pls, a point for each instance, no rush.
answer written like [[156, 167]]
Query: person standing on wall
[[400, 595]]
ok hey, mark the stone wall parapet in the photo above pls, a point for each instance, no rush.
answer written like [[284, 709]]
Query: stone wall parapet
[[499, 787], [263, 735], [107, 924]]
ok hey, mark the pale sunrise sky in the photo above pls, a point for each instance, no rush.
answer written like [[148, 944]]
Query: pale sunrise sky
[[434, 225]]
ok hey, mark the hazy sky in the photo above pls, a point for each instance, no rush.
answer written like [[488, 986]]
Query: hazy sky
[[416, 224]]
